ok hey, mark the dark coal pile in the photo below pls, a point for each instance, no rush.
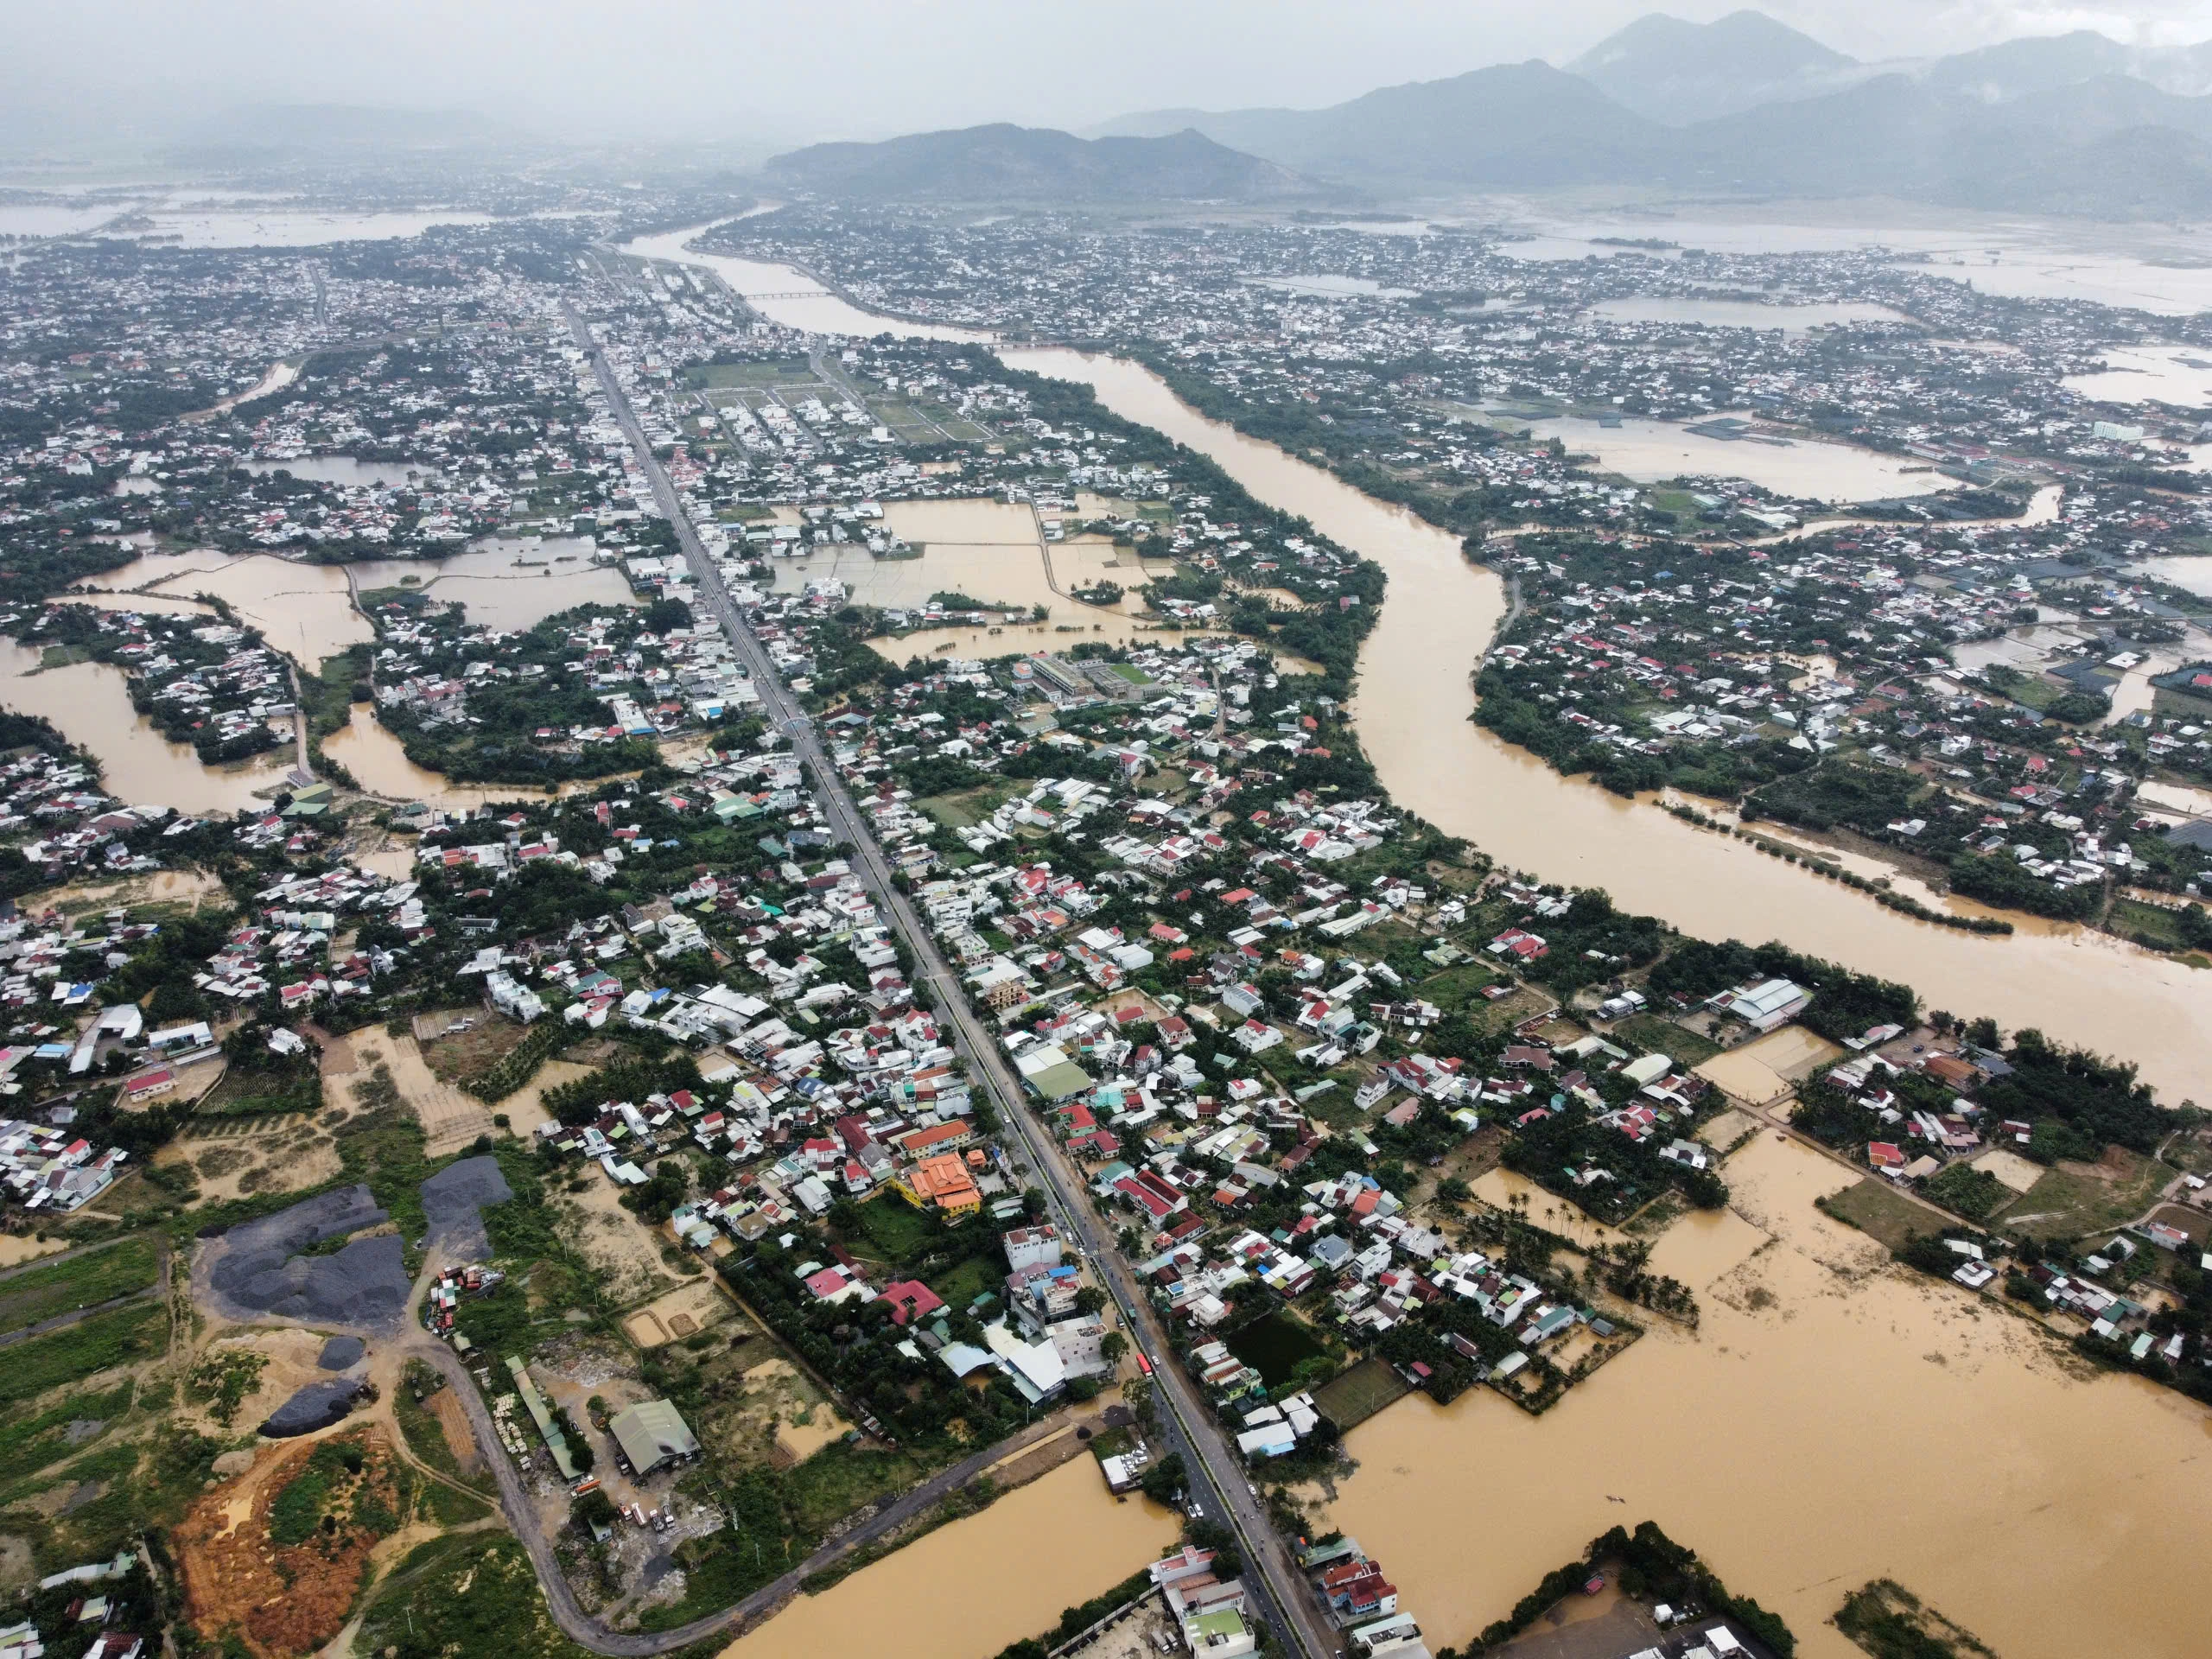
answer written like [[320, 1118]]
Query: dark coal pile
[[340, 1352], [454, 1199], [317, 1406], [260, 1271]]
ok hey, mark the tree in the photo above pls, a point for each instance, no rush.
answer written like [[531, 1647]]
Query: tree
[[663, 614], [1089, 1300], [1112, 1346]]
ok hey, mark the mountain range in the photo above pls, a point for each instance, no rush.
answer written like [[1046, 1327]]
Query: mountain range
[[1003, 161], [2068, 124]]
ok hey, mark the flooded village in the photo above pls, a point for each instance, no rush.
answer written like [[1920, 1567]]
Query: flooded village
[[1375, 937]]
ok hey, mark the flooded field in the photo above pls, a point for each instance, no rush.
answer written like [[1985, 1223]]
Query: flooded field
[[349, 470], [1064, 1536], [1412, 705], [1834, 1420], [90, 704], [305, 611], [2192, 574], [1648, 451], [377, 760], [511, 582], [2168, 374], [1332, 286]]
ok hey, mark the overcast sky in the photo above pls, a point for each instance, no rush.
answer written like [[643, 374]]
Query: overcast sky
[[780, 72]]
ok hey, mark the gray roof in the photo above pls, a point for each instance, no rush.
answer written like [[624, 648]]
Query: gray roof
[[652, 1433]]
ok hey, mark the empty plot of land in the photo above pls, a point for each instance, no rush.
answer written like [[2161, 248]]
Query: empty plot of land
[[1351, 1397], [684, 1312], [2072, 1199], [2018, 1172], [450, 1119]]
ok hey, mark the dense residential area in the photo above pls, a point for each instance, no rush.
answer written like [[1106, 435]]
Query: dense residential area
[[718, 910]]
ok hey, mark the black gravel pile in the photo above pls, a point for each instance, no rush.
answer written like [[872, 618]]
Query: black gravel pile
[[454, 1199], [317, 1406], [261, 1271], [341, 1353]]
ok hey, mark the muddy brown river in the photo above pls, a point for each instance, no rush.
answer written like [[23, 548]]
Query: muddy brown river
[[1412, 707]]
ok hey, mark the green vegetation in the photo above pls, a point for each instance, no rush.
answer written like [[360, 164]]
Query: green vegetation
[[107, 1272], [1880, 1212], [30, 1443], [119, 1336], [226, 1380], [1890, 1622], [1079, 1619], [1963, 1190], [1656, 1036], [472, 1594]]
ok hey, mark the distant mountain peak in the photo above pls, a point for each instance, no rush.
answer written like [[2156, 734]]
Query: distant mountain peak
[[1669, 70]]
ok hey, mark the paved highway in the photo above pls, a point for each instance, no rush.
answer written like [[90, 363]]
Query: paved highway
[[1216, 1477]]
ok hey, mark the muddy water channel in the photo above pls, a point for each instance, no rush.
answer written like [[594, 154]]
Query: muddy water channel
[[1834, 1420], [1412, 707], [976, 1585]]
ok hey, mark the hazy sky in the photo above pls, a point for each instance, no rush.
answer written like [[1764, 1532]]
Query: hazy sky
[[798, 70]]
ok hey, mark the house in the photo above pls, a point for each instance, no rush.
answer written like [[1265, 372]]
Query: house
[[653, 1435], [911, 1299], [943, 1183]]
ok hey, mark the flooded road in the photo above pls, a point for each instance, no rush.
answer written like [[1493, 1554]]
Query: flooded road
[[90, 704], [1835, 1420], [973, 1586], [1412, 707]]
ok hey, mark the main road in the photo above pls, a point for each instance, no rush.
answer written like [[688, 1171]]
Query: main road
[[1217, 1477]]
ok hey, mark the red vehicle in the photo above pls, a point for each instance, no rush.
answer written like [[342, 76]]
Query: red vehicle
[[1143, 1364]]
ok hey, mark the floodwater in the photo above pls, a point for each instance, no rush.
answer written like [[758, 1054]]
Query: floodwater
[[1646, 451], [1789, 317], [510, 583], [349, 470], [1412, 707], [2191, 573], [305, 611], [1834, 1420], [992, 551], [2152, 268], [2180, 375], [1332, 287], [90, 704], [379, 763], [981, 1582], [799, 303], [294, 229]]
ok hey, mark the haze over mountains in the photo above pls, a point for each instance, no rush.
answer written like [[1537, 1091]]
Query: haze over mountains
[[1004, 161], [2071, 124]]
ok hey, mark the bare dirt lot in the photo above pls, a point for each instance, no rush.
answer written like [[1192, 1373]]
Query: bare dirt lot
[[450, 1119], [616, 1243], [288, 1597], [231, 1158], [684, 1311]]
